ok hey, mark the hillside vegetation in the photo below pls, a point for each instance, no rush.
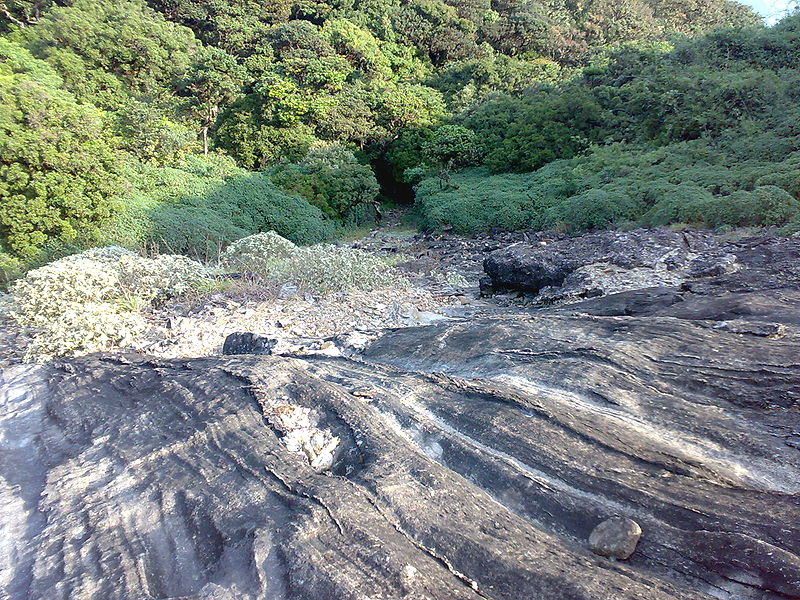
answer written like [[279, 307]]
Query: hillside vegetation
[[706, 132], [183, 125]]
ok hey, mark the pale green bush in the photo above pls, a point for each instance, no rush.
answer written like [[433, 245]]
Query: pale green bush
[[82, 329], [158, 279], [451, 278], [257, 254], [88, 302], [318, 269], [324, 268], [44, 293]]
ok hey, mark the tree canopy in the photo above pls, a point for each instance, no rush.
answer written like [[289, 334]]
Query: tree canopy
[[128, 119]]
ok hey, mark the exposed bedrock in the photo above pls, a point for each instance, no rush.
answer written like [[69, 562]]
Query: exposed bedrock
[[611, 261], [530, 267], [466, 459]]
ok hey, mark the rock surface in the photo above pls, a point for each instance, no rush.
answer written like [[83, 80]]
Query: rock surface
[[470, 458], [606, 262], [616, 537]]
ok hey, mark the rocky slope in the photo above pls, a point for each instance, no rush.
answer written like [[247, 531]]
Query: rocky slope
[[469, 458]]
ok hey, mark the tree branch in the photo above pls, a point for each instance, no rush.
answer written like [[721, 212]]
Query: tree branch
[[7, 14]]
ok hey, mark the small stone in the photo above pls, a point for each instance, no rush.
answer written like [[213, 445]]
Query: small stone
[[409, 573], [616, 537]]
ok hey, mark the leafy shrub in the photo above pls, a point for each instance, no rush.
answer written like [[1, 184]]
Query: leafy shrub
[[787, 180], [329, 177], [672, 206], [207, 203], [477, 201], [253, 203], [766, 205], [593, 209], [257, 254], [87, 302], [686, 182], [195, 231]]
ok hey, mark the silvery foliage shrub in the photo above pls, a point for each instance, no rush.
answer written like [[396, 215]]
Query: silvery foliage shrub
[[320, 269], [257, 254], [86, 302], [158, 279], [325, 268], [451, 278]]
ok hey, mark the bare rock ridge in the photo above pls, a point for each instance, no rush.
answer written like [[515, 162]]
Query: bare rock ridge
[[609, 261], [469, 458]]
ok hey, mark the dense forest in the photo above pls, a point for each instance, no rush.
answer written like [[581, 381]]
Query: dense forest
[[182, 125]]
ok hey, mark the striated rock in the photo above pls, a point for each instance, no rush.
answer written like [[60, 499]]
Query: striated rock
[[616, 537], [465, 459]]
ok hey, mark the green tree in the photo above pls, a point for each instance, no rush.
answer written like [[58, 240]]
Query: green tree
[[22, 13], [330, 177], [234, 26], [59, 168], [151, 136], [209, 84], [110, 50]]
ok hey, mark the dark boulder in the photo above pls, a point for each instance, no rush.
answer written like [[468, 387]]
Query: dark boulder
[[248, 343]]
